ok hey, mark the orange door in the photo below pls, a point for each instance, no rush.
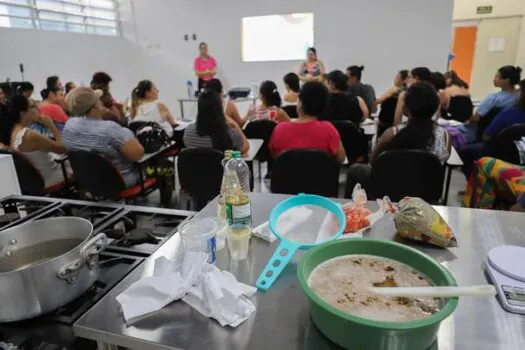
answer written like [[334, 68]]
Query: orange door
[[463, 49]]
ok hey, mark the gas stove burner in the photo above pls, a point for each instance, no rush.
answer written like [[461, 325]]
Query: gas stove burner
[[91, 212], [15, 210], [140, 232]]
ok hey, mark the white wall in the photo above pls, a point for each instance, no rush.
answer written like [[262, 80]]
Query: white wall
[[384, 35]]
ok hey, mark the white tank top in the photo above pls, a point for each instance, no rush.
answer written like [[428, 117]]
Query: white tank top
[[149, 112]]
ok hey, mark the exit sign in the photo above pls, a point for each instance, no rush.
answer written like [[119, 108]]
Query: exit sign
[[483, 10]]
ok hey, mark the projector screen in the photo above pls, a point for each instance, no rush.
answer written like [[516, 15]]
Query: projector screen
[[277, 38]]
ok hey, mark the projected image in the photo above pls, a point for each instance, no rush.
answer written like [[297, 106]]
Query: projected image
[[277, 38]]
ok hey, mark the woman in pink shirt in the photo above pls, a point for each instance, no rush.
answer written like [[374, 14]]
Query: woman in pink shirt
[[306, 131], [205, 66]]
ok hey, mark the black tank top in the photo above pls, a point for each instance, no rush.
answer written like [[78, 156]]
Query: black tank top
[[388, 110], [343, 106]]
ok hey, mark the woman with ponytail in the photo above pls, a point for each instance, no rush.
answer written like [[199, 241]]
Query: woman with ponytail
[[270, 107], [146, 107], [420, 133], [16, 135]]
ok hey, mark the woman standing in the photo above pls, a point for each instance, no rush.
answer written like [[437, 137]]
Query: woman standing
[[313, 68], [205, 66]]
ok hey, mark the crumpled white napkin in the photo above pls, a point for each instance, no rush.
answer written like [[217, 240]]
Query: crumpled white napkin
[[212, 292], [286, 223]]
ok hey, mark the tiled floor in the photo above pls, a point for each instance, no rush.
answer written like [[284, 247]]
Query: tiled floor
[[457, 183]]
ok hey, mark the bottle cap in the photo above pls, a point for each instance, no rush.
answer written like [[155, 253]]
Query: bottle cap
[[236, 154]]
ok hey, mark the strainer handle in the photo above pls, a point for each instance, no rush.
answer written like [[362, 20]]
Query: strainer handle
[[279, 260]]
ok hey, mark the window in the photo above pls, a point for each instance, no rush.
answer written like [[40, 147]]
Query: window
[[78, 16]]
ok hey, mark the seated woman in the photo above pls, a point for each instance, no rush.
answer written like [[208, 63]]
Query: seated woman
[[89, 132], [291, 84], [420, 133], [307, 131], [114, 110], [230, 108], [212, 128], [343, 105], [458, 104], [388, 102], [15, 134], [270, 107], [416, 75], [494, 179], [52, 106], [506, 78], [146, 107]]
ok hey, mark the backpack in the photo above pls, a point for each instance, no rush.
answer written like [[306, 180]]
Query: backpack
[[152, 137]]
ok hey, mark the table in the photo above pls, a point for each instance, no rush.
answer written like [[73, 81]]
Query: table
[[369, 126], [251, 98], [149, 156], [454, 161], [9, 184], [255, 146], [281, 320]]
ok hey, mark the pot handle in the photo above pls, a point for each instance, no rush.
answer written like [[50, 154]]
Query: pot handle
[[92, 248]]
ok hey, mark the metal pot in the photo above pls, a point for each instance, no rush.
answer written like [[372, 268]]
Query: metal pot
[[45, 264]]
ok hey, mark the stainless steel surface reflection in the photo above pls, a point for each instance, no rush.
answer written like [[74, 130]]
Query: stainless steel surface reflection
[[281, 320]]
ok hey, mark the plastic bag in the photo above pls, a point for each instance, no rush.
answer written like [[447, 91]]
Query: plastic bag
[[417, 220], [358, 217]]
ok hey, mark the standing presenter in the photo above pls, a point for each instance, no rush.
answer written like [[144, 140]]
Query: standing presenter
[[205, 66]]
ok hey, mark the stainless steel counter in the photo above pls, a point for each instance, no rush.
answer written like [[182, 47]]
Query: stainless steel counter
[[281, 320]]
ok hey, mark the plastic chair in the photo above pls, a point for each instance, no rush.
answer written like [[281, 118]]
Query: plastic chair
[[31, 181], [291, 110], [354, 141], [200, 174], [460, 108], [485, 121], [261, 129], [96, 175], [305, 171], [401, 173], [503, 147]]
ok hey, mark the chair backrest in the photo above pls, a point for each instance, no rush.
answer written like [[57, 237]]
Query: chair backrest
[[460, 108], [291, 110], [30, 179], [353, 139], [200, 172], [503, 147], [305, 171], [400, 173], [95, 174], [485, 121], [261, 129]]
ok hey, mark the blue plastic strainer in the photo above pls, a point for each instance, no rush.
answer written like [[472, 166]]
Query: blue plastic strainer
[[287, 246]]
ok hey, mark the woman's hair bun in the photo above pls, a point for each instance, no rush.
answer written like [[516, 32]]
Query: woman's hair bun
[[361, 68], [518, 69]]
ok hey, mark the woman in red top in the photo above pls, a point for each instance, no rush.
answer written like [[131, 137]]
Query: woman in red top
[[51, 106], [306, 131]]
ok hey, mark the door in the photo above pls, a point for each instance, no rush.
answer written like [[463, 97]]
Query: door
[[464, 48]]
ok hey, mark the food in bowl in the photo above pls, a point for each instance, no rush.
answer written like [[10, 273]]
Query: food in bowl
[[345, 281]]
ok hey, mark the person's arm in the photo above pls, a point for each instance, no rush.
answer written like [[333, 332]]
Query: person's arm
[[233, 112], [387, 136], [322, 71], [502, 120], [364, 109], [165, 113], [282, 116], [132, 150], [36, 141], [300, 73], [484, 108], [371, 96], [388, 93], [398, 116], [340, 154], [239, 139], [50, 124]]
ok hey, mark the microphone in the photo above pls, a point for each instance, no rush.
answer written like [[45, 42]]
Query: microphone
[[22, 71]]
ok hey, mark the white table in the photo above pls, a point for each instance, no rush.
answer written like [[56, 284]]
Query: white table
[[9, 184], [250, 98], [255, 146], [369, 126]]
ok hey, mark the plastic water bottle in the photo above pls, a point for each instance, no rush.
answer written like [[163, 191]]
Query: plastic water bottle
[[237, 195], [221, 207], [189, 86]]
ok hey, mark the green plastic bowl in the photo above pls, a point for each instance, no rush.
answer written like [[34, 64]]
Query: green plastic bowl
[[353, 332]]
